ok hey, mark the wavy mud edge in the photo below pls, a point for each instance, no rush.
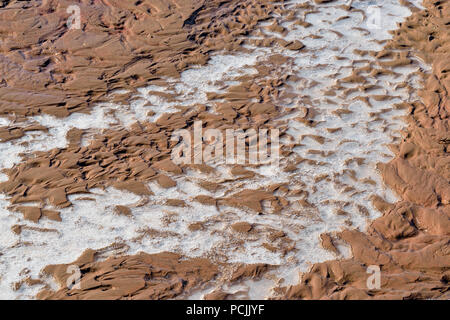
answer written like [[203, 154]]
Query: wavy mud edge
[[410, 242]]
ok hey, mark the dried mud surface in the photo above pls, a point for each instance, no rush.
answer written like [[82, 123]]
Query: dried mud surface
[[50, 70]]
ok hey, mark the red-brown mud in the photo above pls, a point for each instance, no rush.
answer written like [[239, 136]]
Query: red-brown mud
[[50, 69], [142, 276], [120, 158], [47, 68], [411, 241]]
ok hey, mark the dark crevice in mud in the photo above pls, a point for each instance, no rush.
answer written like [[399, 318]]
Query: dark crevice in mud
[[193, 17]]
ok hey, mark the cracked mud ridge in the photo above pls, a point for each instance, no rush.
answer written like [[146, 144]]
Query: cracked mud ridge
[[94, 206]]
